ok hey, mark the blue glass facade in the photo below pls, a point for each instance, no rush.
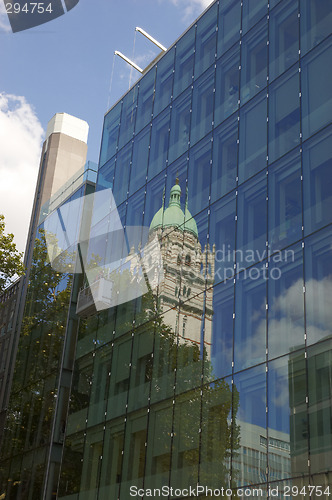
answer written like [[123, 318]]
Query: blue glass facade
[[222, 374]]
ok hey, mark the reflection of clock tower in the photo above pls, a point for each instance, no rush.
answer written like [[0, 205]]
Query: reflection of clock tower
[[187, 270]]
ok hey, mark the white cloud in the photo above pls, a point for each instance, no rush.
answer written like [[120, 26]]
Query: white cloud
[[20, 145], [4, 23], [191, 8]]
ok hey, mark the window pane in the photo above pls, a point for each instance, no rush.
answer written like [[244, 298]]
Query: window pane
[[180, 125], [122, 171], [286, 302], [253, 138], [184, 62], [229, 25], [253, 11], [128, 117], [251, 225], [206, 40], [110, 134], [249, 458], [140, 160], [154, 197], [227, 85], [224, 166], [316, 76], [159, 143], [318, 277], [284, 38], [316, 21], [317, 182], [253, 62], [199, 176], [285, 202], [164, 82], [145, 100], [202, 106]]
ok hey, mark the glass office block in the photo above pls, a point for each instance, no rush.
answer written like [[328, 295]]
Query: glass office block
[[164, 82], [285, 202], [158, 455], [154, 197], [316, 19], [229, 25], [111, 464], [202, 106], [253, 138], [135, 209], [139, 160], [141, 372], [184, 62], [119, 380], [206, 40], [252, 12], [92, 454], [286, 301], [217, 428], [224, 162], [251, 222], [199, 174], [159, 143], [318, 286], [122, 174], [284, 38], [320, 387], [222, 235], [180, 126], [222, 331], [128, 117], [145, 99], [316, 93], [110, 134], [317, 181], [253, 62], [250, 318], [185, 446], [227, 85], [287, 442], [249, 459]]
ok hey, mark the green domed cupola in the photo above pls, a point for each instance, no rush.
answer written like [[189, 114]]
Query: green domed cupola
[[173, 216]]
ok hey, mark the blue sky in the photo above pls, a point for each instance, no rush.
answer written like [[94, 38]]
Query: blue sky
[[65, 66]]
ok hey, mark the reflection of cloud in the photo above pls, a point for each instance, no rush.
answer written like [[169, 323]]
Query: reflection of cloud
[[20, 142], [192, 8], [4, 22]]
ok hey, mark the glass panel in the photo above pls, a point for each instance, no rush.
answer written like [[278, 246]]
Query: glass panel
[[224, 166], [253, 138], [180, 125], [216, 434], [185, 447], [222, 235], [141, 372], [145, 100], [251, 225], [284, 115], [93, 449], [316, 21], [100, 385], [128, 117], [140, 160], [177, 170], [250, 319], [184, 62], [287, 441], [254, 62], [110, 134], [159, 143], [286, 301], [122, 172], [253, 11], [202, 106], [71, 466], [199, 176], [222, 330], [135, 209], [119, 382], [164, 82], [80, 394], [316, 76], [318, 286], [206, 40], [284, 38], [229, 25], [227, 85], [154, 198], [249, 461], [285, 202], [320, 413], [111, 465], [317, 181]]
